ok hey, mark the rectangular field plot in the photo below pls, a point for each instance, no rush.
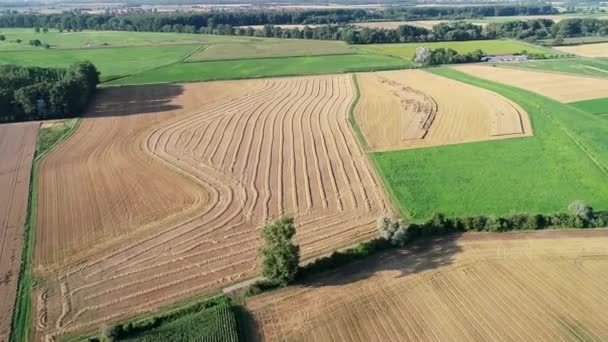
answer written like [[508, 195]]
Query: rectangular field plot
[[564, 88], [259, 149], [547, 286], [563, 161], [412, 108], [111, 62], [17, 147], [254, 68], [94, 39], [581, 66], [587, 50], [271, 48]]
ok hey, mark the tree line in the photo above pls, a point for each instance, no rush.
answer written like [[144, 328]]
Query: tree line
[[530, 30], [280, 256], [399, 232], [547, 29], [426, 56], [34, 93], [156, 22]]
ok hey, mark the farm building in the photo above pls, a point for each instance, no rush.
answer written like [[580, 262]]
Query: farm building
[[505, 58]]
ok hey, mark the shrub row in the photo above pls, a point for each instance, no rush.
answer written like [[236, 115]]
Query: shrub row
[[400, 233]]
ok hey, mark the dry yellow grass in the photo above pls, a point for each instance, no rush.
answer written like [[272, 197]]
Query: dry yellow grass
[[586, 50], [560, 87], [538, 286], [412, 108]]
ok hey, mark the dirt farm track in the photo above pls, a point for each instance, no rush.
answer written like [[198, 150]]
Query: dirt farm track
[[536, 286], [17, 146], [224, 156]]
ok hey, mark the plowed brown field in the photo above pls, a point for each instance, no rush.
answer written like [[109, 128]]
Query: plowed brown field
[[542, 286], [270, 147], [17, 147], [412, 108], [561, 87]]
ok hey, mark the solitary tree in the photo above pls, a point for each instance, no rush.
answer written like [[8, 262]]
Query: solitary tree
[[582, 210], [280, 257], [37, 29], [423, 55], [2, 37]]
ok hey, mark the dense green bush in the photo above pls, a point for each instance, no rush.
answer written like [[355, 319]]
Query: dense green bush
[[261, 286], [33, 93]]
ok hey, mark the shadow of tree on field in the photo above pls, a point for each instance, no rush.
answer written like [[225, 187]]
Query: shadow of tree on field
[[423, 255], [134, 100]]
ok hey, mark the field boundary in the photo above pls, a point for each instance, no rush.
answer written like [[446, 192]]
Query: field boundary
[[345, 71], [20, 322], [181, 60], [269, 57], [558, 124], [510, 65], [353, 122], [582, 146]]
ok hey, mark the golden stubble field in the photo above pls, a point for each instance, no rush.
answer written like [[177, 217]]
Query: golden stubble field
[[412, 108], [17, 147], [586, 50], [560, 87], [538, 286], [240, 153]]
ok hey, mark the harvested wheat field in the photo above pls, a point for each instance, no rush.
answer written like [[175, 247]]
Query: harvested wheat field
[[412, 108], [586, 50], [17, 147], [269, 147], [560, 87], [538, 286]]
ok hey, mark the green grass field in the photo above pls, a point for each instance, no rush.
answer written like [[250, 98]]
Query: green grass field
[[111, 62], [595, 106], [271, 48], [580, 66], [93, 39], [253, 68], [487, 46], [564, 161]]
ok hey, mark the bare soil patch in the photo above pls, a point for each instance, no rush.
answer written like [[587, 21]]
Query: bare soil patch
[[558, 86], [269, 147], [586, 50], [526, 288], [17, 147], [412, 108]]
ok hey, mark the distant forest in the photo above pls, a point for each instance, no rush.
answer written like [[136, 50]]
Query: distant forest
[[145, 21]]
